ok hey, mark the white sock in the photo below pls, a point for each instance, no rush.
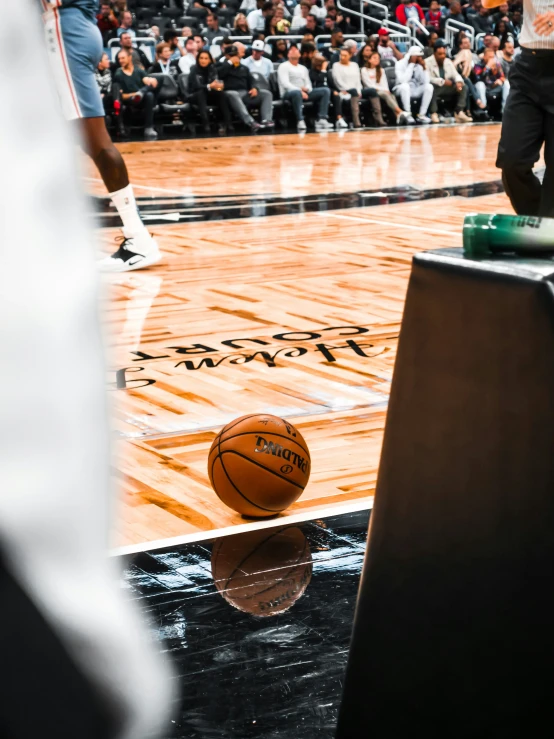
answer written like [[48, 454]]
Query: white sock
[[124, 201]]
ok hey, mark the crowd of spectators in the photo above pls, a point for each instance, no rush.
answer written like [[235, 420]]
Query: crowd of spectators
[[236, 60]]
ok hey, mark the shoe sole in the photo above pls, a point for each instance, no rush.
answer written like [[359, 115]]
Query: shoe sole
[[143, 264]]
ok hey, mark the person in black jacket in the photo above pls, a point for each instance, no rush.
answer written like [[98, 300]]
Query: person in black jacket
[[320, 76], [164, 64], [242, 92], [206, 89]]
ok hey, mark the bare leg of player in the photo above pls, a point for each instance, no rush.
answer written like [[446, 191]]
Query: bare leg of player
[[138, 249]]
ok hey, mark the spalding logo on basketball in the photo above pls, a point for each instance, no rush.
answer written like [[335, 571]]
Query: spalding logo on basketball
[[259, 465]]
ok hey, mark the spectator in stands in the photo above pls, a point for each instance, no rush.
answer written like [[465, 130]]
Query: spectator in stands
[[171, 37], [472, 9], [364, 55], [464, 61], [241, 49], [299, 19], [104, 80], [481, 22], [337, 40], [154, 32], [258, 62], [312, 26], [240, 26], [490, 79], [348, 82], [164, 64], [189, 57], [432, 39], [199, 41], [106, 21], [247, 6], [375, 79], [501, 12], [296, 87], [339, 20], [502, 33], [412, 82], [242, 93], [212, 29], [206, 89], [126, 24], [280, 51], [387, 48], [137, 90], [447, 84], [455, 13], [506, 58], [140, 59], [257, 18], [409, 11], [434, 17], [224, 46], [186, 32], [352, 48], [307, 52], [320, 76], [119, 7], [274, 22], [517, 22], [329, 25]]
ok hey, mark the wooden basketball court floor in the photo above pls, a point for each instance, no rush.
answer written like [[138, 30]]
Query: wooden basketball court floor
[[296, 313]]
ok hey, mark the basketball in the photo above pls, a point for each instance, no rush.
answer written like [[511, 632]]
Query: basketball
[[259, 465], [262, 572]]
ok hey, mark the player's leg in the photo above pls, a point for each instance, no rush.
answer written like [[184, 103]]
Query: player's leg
[[75, 46], [523, 131], [546, 209]]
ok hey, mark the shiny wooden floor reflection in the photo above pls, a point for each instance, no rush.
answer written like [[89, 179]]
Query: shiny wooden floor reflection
[[296, 315]]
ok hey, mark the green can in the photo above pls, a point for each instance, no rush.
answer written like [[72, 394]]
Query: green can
[[487, 234]]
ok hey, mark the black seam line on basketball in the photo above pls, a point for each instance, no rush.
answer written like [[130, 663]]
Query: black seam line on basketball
[[296, 485], [268, 510], [237, 421], [291, 569], [272, 433], [253, 551]]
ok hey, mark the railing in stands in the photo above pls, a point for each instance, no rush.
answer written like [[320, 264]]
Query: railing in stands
[[414, 24], [452, 28], [478, 39], [325, 36], [384, 22]]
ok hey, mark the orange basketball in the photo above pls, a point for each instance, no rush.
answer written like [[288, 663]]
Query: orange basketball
[[259, 465], [262, 572]]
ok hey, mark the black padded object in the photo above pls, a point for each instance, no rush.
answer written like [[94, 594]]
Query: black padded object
[[453, 633], [43, 693]]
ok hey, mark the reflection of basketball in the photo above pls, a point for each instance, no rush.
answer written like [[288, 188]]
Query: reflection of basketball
[[259, 465], [262, 572]]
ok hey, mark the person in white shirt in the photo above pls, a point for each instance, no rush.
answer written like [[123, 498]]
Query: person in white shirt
[[315, 9], [374, 78], [189, 57], [447, 83], [412, 82], [258, 62], [247, 6], [299, 18], [257, 18], [347, 79], [296, 87]]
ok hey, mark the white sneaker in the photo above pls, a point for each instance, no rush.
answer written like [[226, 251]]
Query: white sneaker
[[136, 252], [341, 123], [410, 120], [301, 126], [424, 119], [323, 125]]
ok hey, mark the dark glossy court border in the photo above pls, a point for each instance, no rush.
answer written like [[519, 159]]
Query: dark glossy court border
[[257, 625], [173, 209]]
